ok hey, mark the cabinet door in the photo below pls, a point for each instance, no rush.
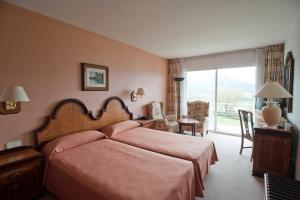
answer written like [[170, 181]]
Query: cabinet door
[[272, 154], [23, 182]]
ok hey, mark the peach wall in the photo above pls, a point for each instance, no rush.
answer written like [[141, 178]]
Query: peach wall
[[44, 56]]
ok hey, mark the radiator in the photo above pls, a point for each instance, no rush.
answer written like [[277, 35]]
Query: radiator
[[281, 188]]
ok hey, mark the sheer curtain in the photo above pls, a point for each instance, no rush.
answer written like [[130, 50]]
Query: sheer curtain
[[260, 75], [183, 109]]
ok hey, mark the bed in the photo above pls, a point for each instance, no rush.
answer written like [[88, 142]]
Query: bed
[[83, 164], [71, 116], [201, 152]]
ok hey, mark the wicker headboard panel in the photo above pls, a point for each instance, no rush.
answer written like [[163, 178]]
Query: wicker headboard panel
[[71, 116]]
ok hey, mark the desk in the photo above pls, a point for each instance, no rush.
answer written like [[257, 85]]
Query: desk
[[188, 122], [272, 151]]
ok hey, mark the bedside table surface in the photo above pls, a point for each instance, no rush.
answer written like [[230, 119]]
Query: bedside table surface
[[17, 156], [144, 121]]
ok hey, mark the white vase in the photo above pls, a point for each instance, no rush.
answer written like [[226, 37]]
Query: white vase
[[271, 114]]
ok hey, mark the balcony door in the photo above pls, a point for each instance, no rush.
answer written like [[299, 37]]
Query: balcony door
[[226, 90]]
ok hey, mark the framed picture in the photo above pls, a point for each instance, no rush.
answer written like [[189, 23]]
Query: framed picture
[[288, 79], [94, 77]]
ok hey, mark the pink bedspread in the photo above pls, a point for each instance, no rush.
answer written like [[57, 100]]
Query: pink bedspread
[[109, 170], [198, 150]]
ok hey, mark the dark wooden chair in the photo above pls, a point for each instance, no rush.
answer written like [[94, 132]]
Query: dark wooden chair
[[246, 121]]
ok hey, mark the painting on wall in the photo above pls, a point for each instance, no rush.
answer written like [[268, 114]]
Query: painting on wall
[[94, 77], [289, 79]]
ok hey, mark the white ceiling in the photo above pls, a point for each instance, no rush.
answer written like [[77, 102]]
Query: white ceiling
[[178, 28]]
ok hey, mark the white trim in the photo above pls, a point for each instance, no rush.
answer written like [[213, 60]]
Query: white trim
[[216, 100]]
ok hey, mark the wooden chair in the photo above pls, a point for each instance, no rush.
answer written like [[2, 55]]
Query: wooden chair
[[246, 121]]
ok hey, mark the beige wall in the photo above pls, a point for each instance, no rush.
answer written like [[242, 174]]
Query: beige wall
[[238, 58], [293, 44], [44, 56]]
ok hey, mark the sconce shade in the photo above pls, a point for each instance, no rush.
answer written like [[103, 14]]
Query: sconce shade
[[272, 90], [140, 92], [14, 94]]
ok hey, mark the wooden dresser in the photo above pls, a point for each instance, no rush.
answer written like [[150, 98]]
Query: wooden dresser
[[272, 151], [148, 123], [20, 173]]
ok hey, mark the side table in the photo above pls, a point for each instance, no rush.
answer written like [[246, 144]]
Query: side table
[[188, 122]]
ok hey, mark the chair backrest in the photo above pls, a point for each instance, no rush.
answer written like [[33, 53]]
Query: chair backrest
[[246, 121], [156, 110], [198, 110]]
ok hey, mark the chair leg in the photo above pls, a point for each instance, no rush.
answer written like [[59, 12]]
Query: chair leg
[[206, 131], [251, 155], [242, 144]]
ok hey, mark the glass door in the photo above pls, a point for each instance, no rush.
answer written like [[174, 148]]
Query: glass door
[[236, 87], [226, 90], [201, 86]]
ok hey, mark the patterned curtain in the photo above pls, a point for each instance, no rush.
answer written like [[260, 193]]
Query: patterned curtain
[[274, 63], [174, 70], [273, 68]]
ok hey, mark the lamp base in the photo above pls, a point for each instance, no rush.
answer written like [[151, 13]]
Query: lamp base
[[8, 108], [271, 114], [133, 97]]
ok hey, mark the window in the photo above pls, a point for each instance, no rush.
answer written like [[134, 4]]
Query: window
[[201, 86], [227, 90]]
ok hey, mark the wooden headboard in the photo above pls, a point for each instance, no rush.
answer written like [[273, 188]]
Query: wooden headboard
[[71, 116]]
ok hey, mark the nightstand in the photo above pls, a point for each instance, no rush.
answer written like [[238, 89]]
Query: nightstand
[[148, 123], [20, 173], [273, 151]]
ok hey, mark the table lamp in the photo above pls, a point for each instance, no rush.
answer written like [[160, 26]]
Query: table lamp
[[271, 113]]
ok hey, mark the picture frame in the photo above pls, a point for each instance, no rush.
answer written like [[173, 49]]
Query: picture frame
[[94, 77], [288, 79]]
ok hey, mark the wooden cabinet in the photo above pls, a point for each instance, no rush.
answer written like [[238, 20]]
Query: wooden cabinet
[[149, 123], [272, 151], [20, 173]]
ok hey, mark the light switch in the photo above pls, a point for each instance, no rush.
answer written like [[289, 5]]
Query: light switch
[[12, 144]]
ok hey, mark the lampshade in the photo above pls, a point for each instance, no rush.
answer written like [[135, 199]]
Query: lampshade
[[14, 93], [272, 90], [140, 92]]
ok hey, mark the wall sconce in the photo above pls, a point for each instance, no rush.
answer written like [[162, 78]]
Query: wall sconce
[[10, 99], [139, 93]]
